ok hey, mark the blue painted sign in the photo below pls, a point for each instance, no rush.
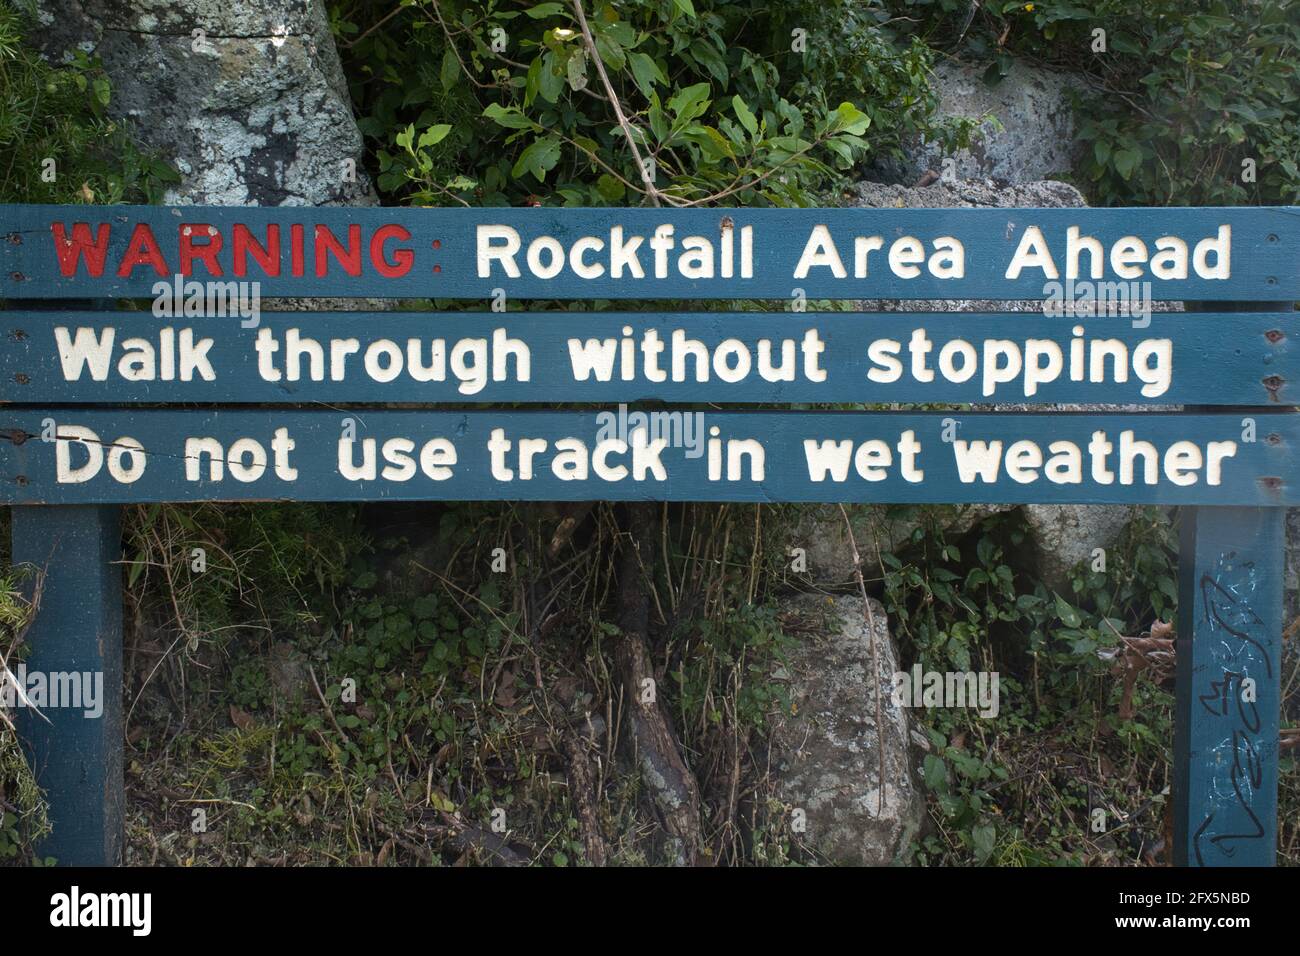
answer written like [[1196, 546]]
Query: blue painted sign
[[550, 253], [86, 456], [554, 357], [69, 439]]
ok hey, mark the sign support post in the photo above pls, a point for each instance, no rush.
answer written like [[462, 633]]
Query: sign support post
[[1229, 686], [76, 642]]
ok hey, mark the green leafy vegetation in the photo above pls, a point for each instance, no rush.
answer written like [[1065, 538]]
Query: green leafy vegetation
[[1074, 769], [57, 143], [1194, 102], [1021, 787], [740, 103]]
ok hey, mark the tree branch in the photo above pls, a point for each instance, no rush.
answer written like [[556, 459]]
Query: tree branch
[[651, 190]]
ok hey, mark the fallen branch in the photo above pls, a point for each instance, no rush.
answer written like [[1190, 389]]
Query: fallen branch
[[650, 735], [583, 795]]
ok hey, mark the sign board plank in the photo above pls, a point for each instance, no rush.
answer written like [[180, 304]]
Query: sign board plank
[[1211, 254], [557, 357], [338, 455]]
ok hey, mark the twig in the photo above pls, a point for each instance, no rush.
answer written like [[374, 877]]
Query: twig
[[329, 711], [375, 26]]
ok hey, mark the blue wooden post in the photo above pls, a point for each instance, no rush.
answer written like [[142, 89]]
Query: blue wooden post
[[1229, 687], [77, 756]]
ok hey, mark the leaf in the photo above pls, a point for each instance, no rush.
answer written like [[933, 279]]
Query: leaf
[[1126, 160], [1083, 646], [576, 70], [540, 156], [689, 103], [434, 135], [658, 124], [686, 7], [544, 10], [842, 150], [610, 51], [1122, 44], [646, 72], [708, 56], [715, 145], [449, 74], [1067, 613], [847, 118], [743, 114], [959, 654], [508, 116], [550, 80], [610, 188], [935, 772], [532, 81]]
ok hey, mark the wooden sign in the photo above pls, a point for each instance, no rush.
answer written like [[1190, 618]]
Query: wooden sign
[[193, 392]]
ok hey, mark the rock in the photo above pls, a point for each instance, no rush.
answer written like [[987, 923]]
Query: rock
[[1062, 535], [973, 192], [1030, 135], [826, 751], [828, 554], [256, 110]]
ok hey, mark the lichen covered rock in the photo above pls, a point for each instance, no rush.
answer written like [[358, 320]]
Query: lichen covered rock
[[247, 101], [1026, 132], [826, 750]]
